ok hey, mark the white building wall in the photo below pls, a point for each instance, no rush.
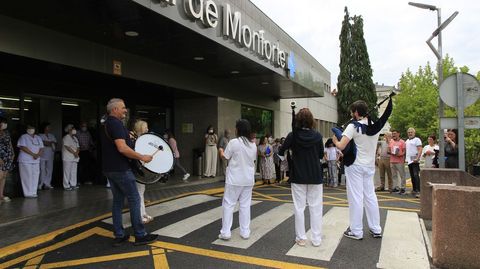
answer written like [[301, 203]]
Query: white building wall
[[324, 109]]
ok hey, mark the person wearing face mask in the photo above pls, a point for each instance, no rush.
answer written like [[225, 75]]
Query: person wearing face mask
[[86, 165], [6, 157], [46, 160], [31, 147], [70, 157], [211, 140]]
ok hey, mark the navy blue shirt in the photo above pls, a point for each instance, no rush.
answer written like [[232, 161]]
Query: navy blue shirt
[[112, 159]]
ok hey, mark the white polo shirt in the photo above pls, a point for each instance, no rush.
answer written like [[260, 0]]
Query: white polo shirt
[[366, 145], [34, 144], [241, 162]]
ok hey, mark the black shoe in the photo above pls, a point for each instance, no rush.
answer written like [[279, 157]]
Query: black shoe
[[401, 192], [395, 190], [380, 189], [348, 233], [147, 239], [120, 240], [375, 235]]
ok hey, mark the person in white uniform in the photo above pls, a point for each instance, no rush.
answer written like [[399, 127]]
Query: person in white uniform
[[360, 186], [46, 159], [70, 158], [31, 147], [240, 178]]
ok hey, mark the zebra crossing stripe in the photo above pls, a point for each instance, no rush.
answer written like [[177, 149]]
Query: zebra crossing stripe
[[259, 227], [335, 222], [403, 245], [193, 223], [168, 207]]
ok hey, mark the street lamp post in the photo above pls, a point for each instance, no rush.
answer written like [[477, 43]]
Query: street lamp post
[[438, 54]]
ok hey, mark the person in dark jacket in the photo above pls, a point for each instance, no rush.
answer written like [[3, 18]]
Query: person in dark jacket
[[306, 176]]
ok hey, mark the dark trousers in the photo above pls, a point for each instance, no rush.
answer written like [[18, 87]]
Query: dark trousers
[[278, 176], [414, 169], [86, 167]]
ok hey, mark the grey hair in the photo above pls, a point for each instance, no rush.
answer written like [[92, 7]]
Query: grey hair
[[112, 103], [68, 128]]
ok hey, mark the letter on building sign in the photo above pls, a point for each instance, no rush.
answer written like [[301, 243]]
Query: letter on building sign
[[193, 9], [231, 24], [211, 14], [246, 36]]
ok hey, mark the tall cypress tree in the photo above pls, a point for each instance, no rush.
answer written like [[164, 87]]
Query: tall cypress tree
[[355, 77]]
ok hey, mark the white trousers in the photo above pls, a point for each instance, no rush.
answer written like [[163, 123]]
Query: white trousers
[[210, 161], [69, 174], [360, 194], [311, 194], [141, 193], [46, 170], [29, 175], [232, 194]]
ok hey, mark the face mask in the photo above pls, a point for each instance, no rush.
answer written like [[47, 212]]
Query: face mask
[[210, 131], [270, 140], [84, 129], [74, 132], [3, 126], [30, 131]]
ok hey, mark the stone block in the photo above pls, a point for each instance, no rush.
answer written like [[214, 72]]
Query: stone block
[[441, 176], [456, 227]]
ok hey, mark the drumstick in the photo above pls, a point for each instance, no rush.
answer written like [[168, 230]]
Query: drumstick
[[159, 148]]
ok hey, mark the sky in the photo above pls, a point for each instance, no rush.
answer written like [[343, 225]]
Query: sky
[[394, 31]]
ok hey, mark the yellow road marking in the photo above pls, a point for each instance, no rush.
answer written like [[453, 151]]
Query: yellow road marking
[[266, 196], [335, 198], [230, 256], [160, 261], [98, 259], [158, 251], [35, 260]]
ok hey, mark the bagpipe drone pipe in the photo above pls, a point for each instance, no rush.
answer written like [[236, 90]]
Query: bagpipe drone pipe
[[350, 151]]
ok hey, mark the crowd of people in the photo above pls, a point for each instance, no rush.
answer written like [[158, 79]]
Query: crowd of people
[[301, 156], [393, 152]]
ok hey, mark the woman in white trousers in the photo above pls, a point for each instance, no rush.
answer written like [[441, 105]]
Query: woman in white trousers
[[48, 154], [240, 178], [306, 176], [141, 127], [70, 158], [31, 147]]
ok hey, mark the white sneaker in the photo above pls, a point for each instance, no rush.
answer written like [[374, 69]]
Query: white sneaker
[[186, 176], [301, 242], [224, 237], [6, 199]]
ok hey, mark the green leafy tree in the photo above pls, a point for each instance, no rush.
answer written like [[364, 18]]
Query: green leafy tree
[[417, 106], [355, 77]]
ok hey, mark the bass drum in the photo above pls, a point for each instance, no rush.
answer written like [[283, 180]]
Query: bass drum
[[163, 157]]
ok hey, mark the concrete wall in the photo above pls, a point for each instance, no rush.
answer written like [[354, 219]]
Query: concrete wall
[[199, 112], [323, 108]]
